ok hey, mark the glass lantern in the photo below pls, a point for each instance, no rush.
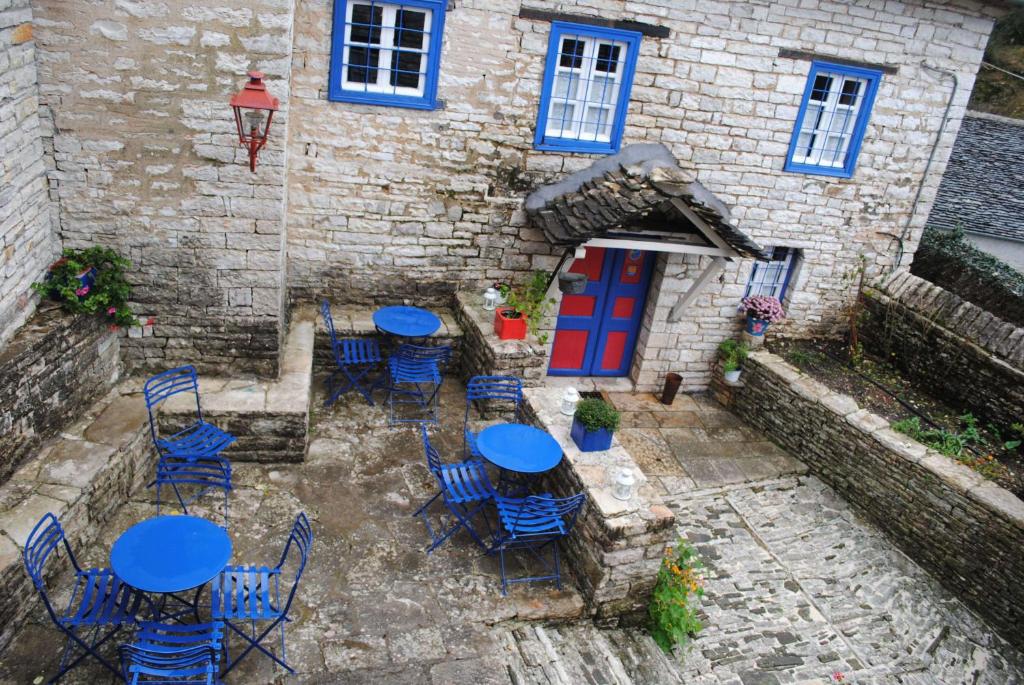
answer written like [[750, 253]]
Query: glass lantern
[[623, 487], [490, 299], [569, 401]]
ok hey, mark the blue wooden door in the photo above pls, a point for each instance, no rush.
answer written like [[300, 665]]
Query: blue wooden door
[[596, 330]]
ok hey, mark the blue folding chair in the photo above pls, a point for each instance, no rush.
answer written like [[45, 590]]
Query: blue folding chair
[[413, 372], [493, 394], [464, 489], [98, 598], [533, 523], [253, 593], [199, 439], [354, 358], [192, 478], [173, 654]]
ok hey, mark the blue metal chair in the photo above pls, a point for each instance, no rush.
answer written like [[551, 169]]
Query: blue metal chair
[[495, 393], [253, 593], [98, 598], [413, 371], [464, 488], [531, 524], [199, 439], [173, 654], [354, 358], [192, 478]]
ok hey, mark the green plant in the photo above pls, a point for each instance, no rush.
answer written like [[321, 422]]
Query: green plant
[[800, 358], [91, 281], [532, 301], [673, 610], [596, 414], [732, 354], [957, 444]]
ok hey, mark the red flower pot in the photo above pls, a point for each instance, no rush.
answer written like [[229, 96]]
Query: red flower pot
[[509, 329]]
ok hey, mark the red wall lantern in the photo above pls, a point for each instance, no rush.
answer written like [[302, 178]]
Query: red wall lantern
[[258, 105]]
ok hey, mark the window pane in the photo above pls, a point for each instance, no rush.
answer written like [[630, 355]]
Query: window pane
[[406, 73], [595, 121], [362, 64], [409, 29], [822, 84], [607, 58], [850, 91], [366, 24], [603, 90], [561, 117], [566, 85], [572, 53]]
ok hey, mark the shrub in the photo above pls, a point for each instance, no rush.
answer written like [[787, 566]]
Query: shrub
[[732, 354], [91, 281], [763, 307], [532, 302], [680, 585], [596, 414], [957, 444]]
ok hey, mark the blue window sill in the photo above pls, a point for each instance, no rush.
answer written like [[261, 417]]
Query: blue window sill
[[817, 170], [382, 100], [570, 145]]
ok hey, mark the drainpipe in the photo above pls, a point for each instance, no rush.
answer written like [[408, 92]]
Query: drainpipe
[[931, 157]]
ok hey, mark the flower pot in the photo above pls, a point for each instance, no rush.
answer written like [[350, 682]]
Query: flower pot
[[588, 440], [756, 327], [733, 376], [572, 283], [672, 383], [509, 329]]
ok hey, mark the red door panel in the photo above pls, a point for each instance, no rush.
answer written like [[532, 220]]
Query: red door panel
[[568, 350]]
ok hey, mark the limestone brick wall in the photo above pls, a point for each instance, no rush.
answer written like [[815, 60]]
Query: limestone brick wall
[[965, 530], [389, 204], [145, 159], [27, 239]]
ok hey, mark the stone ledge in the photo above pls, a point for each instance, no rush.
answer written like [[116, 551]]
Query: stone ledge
[[82, 477], [486, 354], [269, 418]]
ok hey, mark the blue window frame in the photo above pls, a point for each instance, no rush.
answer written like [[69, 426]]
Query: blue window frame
[[386, 53], [771, 278], [587, 81], [833, 116]]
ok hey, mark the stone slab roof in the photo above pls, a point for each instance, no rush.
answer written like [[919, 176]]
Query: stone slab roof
[[981, 189], [620, 192]]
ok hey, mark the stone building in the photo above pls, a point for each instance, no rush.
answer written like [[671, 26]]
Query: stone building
[[411, 133]]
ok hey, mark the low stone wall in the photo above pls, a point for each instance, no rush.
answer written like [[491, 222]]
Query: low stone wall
[[964, 529], [960, 351], [617, 546], [82, 478], [269, 418], [485, 354], [53, 368]]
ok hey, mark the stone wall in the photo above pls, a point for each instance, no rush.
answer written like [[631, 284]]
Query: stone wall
[[980, 191], [962, 528], [146, 160], [53, 368], [484, 354], [27, 239], [434, 198], [616, 548], [968, 356]]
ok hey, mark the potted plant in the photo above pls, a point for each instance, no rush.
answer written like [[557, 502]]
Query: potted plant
[[503, 290], [90, 281], [593, 425], [732, 354], [762, 311], [526, 308]]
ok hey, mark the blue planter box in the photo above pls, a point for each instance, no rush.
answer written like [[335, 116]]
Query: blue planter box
[[590, 441]]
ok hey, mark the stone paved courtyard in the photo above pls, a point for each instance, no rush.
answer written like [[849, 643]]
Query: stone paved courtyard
[[798, 588]]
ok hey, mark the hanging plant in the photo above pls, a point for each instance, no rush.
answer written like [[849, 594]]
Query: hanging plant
[[91, 281]]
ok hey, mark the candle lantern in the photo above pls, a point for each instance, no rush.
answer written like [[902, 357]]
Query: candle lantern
[[623, 487], [490, 299], [254, 111], [569, 401]]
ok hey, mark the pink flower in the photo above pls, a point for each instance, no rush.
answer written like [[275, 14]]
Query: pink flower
[[111, 310], [838, 677], [150, 321], [82, 291]]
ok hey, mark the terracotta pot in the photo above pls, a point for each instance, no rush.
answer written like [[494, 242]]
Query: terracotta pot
[[509, 329]]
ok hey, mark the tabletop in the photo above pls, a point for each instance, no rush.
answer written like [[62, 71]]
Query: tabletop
[[520, 448], [170, 553], [407, 322]]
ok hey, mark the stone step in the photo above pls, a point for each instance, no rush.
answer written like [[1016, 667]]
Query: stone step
[[83, 476]]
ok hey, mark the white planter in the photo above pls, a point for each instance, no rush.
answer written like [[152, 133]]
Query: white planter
[[733, 376]]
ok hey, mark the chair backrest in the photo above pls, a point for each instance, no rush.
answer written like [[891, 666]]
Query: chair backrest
[[441, 354], [167, 384], [494, 389], [535, 507], [433, 458], [299, 542], [45, 537], [212, 471], [325, 312], [169, 665]]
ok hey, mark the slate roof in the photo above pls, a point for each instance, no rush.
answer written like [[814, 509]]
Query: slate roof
[[620, 192], [981, 189]]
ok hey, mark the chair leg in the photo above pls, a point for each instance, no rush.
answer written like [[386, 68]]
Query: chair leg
[[254, 643], [87, 650]]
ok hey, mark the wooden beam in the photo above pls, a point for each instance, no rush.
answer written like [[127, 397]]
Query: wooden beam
[[659, 246], [702, 226], [686, 299]]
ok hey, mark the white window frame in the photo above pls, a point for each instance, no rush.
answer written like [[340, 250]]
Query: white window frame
[[773, 278], [583, 78], [387, 49]]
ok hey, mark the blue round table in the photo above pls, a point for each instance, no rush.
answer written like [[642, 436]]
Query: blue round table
[[168, 554], [406, 322], [519, 448]]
